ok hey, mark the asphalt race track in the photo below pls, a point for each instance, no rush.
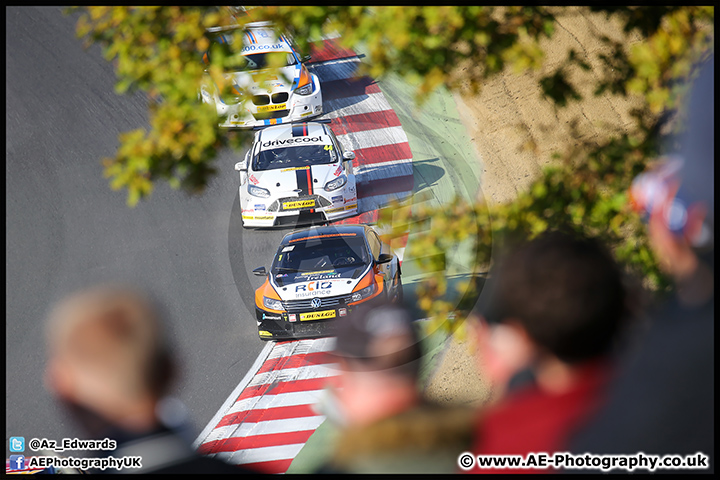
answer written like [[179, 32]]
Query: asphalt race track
[[66, 229]]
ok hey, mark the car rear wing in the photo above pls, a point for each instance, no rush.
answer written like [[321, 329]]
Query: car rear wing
[[263, 24], [224, 28]]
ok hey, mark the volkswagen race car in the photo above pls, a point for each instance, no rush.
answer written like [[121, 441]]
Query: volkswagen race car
[[296, 173], [319, 275], [290, 95]]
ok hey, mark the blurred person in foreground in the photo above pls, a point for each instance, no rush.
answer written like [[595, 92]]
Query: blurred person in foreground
[[556, 306], [385, 425], [663, 400], [109, 364]]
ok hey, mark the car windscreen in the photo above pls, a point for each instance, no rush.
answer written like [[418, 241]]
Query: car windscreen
[[318, 254], [257, 61], [292, 157]]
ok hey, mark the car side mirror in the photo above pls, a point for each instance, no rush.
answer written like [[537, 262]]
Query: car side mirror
[[306, 58], [240, 166], [349, 155], [384, 258], [260, 272]]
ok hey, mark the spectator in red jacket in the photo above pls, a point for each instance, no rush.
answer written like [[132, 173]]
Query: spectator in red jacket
[[556, 306]]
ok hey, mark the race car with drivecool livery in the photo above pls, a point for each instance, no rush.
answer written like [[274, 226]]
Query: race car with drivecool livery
[[289, 94], [296, 173], [319, 275]]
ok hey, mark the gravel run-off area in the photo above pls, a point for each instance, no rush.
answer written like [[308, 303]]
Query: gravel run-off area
[[515, 131]]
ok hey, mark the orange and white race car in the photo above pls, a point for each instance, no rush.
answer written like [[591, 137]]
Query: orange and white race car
[[318, 276]]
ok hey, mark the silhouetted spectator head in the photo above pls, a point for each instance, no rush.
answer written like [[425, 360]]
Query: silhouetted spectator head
[[379, 356], [379, 336], [566, 292], [108, 356]]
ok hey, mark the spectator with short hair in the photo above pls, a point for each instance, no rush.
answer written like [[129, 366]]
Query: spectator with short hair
[[110, 365]]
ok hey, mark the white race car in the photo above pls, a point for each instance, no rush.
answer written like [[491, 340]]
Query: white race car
[[290, 95], [296, 173]]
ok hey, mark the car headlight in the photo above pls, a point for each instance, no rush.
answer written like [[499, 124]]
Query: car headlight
[[272, 304], [306, 90], [258, 191], [364, 293], [335, 184]]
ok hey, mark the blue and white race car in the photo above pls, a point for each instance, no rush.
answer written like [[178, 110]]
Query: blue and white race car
[[288, 95], [296, 173]]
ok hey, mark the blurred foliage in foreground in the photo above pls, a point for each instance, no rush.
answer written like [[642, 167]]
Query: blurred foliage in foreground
[[157, 50]]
